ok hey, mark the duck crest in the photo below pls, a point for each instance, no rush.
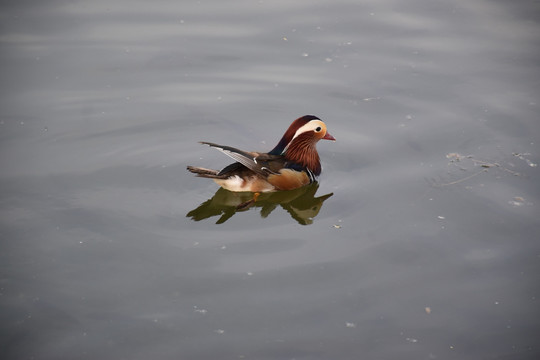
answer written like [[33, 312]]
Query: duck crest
[[289, 134], [301, 151]]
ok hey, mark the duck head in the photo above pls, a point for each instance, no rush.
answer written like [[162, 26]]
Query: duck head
[[299, 141]]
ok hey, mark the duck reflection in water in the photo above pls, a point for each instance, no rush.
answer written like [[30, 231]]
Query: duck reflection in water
[[300, 203]]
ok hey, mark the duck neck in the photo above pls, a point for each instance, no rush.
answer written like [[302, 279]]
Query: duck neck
[[302, 151]]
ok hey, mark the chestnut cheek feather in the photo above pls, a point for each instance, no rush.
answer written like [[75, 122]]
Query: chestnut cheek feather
[[302, 151]]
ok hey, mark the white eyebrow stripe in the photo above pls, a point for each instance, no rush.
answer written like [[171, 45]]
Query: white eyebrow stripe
[[302, 129], [311, 125]]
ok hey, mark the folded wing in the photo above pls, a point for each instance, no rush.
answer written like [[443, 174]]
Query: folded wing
[[259, 163]]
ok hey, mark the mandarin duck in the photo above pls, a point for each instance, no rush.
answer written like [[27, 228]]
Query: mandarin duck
[[292, 163]]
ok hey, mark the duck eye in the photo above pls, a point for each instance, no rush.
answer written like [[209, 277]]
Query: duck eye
[[318, 129]]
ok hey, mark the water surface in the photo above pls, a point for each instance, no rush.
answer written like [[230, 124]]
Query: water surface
[[427, 249]]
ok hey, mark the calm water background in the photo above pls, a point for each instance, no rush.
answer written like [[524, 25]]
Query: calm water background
[[428, 249]]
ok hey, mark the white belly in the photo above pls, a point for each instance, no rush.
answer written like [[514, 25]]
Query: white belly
[[236, 183]]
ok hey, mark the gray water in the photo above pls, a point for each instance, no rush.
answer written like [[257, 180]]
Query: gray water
[[421, 240]]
